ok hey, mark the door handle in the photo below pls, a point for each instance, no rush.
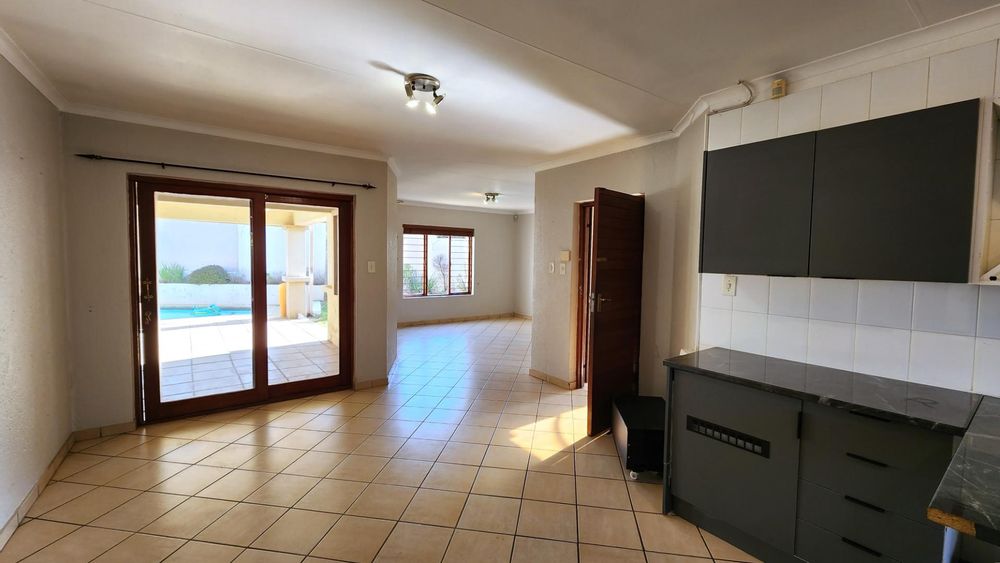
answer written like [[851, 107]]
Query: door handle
[[596, 302], [148, 293], [147, 318]]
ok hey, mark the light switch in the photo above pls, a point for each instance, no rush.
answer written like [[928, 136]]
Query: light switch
[[552, 267], [562, 268], [564, 256], [729, 285], [371, 266]]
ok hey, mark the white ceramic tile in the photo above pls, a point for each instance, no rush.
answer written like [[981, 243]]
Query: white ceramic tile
[[899, 89], [884, 352], [845, 101], [715, 328], [834, 300], [724, 129], [760, 122], [989, 311], [945, 307], [751, 294], [963, 74], [987, 373], [749, 332], [799, 112], [885, 303], [711, 292], [787, 337], [788, 297], [831, 344], [944, 360]]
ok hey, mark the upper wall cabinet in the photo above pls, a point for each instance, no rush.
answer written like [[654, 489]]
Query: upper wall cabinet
[[893, 197], [756, 202]]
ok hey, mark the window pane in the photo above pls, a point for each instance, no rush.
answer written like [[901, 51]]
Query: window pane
[[413, 265], [437, 265], [460, 266]]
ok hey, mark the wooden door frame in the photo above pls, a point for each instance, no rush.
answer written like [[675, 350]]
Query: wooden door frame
[[258, 196], [584, 209]]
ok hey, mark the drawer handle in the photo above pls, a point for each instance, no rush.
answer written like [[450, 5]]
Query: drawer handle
[[864, 548], [860, 502], [866, 460]]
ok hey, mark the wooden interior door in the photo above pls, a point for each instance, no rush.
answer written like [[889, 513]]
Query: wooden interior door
[[615, 303]]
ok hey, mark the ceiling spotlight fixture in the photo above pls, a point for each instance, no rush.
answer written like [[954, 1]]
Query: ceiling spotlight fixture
[[491, 198], [426, 87]]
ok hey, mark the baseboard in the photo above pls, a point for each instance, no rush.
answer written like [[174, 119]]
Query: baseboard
[[522, 316], [368, 384], [558, 382], [101, 431], [404, 324], [22, 509]]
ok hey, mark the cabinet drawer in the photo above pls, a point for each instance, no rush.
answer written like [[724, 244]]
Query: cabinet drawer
[[816, 545], [869, 525]]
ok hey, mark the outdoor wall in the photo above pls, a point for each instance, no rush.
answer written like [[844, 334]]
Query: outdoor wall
[[494, 266], [34, 382], [670, 281], [100, 359], [523, 257]]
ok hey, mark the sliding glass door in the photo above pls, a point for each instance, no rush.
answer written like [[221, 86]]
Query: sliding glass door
[[243, 295]]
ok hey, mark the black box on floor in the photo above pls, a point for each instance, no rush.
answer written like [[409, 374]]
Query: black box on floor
[[637, 425]]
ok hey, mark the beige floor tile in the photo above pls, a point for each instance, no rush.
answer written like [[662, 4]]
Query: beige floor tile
[[548, 520], [232, 456], [141, 548], [361, 425], [473, 434], [383, 446], [424, 450], [326, 423], [408, 472], [462, 452], [229, 433], [272, 460], [451, 477], [549, 461], [74, 463], [670, 534], [315, 464], [603, 493], [345, 409], [415, 543], [382, 501], [201, 552], [354, 539], [602, 526], [302, 439], [33, 536], [155, 447], [265, 436], [283, 490], [721, 549], [551, 487], [513, 438], [117, 444], [646, 497], [241, 525], [291, 420], [111, 468], [603, 554], [554, 441], [438, 508], [297, 531], [191, 480], [603, 466], [435, 431], [189, 518], [482, 547], [57, 494], [90, 506], [332, 495], [82, 545], [532, 550], [261, 556], [193, 452], [499, 482], [236, 485], [139, 512], [359, 468], [341, 443], [148, 476], [490, 514], [653, 557], [397, 428], [597, 445], [506, 457]]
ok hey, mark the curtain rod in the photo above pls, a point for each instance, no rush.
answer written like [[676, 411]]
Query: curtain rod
[[366, 185]]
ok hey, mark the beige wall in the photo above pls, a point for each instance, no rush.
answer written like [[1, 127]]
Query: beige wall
[[393, 232], [524, 267], [34, 383], [494, 265], [97, 227], [665, 173]]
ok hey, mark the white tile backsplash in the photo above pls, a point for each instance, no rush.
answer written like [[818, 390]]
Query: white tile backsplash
[[944, 360], [884, 352], [787, 337], [987, 371], [724, 129], [846, 101], [716, 328], [788, 297], [962, 75], [749, 332], [945, 307], [760, 122], [899, 89], [798, 112], [834, 300], [711, 292], [989, 311], [885, 303], [751, 294], [831, 344]]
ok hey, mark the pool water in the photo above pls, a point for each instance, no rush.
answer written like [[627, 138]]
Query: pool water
[[199, 312]]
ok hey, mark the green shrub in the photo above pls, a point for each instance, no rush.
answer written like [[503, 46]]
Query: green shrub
[[212, 274], [171, 273]]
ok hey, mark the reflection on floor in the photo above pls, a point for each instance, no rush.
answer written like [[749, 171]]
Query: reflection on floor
[[462, 458], [211, 355]]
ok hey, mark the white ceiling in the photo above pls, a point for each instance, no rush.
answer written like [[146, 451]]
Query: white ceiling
[[527, 81]]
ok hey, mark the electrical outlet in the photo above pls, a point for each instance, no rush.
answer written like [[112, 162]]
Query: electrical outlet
[[729, 285], [552, 267], [562, 269], [371, 266]]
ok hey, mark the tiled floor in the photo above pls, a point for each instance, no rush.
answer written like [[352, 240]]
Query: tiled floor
[[463, 458]]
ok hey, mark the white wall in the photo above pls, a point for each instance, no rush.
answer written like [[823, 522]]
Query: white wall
[[393, 283], [942, 334], [97, 225], [524, 257], [494, 265], [34, 382]]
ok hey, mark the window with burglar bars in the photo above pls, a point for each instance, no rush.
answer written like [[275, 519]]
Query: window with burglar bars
[[437, 261]]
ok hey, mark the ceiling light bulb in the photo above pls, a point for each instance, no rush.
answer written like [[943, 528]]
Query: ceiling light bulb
[[491, 198], [430, 108], [412, 102]]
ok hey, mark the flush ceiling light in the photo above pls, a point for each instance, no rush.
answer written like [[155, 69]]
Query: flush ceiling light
[[426, 86], [491, 198]]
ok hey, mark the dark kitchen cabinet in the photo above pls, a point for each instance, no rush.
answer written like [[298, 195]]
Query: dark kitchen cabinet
[[893, 197], [756, 207]]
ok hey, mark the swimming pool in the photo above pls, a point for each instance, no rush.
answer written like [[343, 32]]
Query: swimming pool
[[167, 313]]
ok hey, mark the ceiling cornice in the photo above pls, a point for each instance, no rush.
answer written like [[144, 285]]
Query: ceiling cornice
[[19, 60], [466, 208]]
